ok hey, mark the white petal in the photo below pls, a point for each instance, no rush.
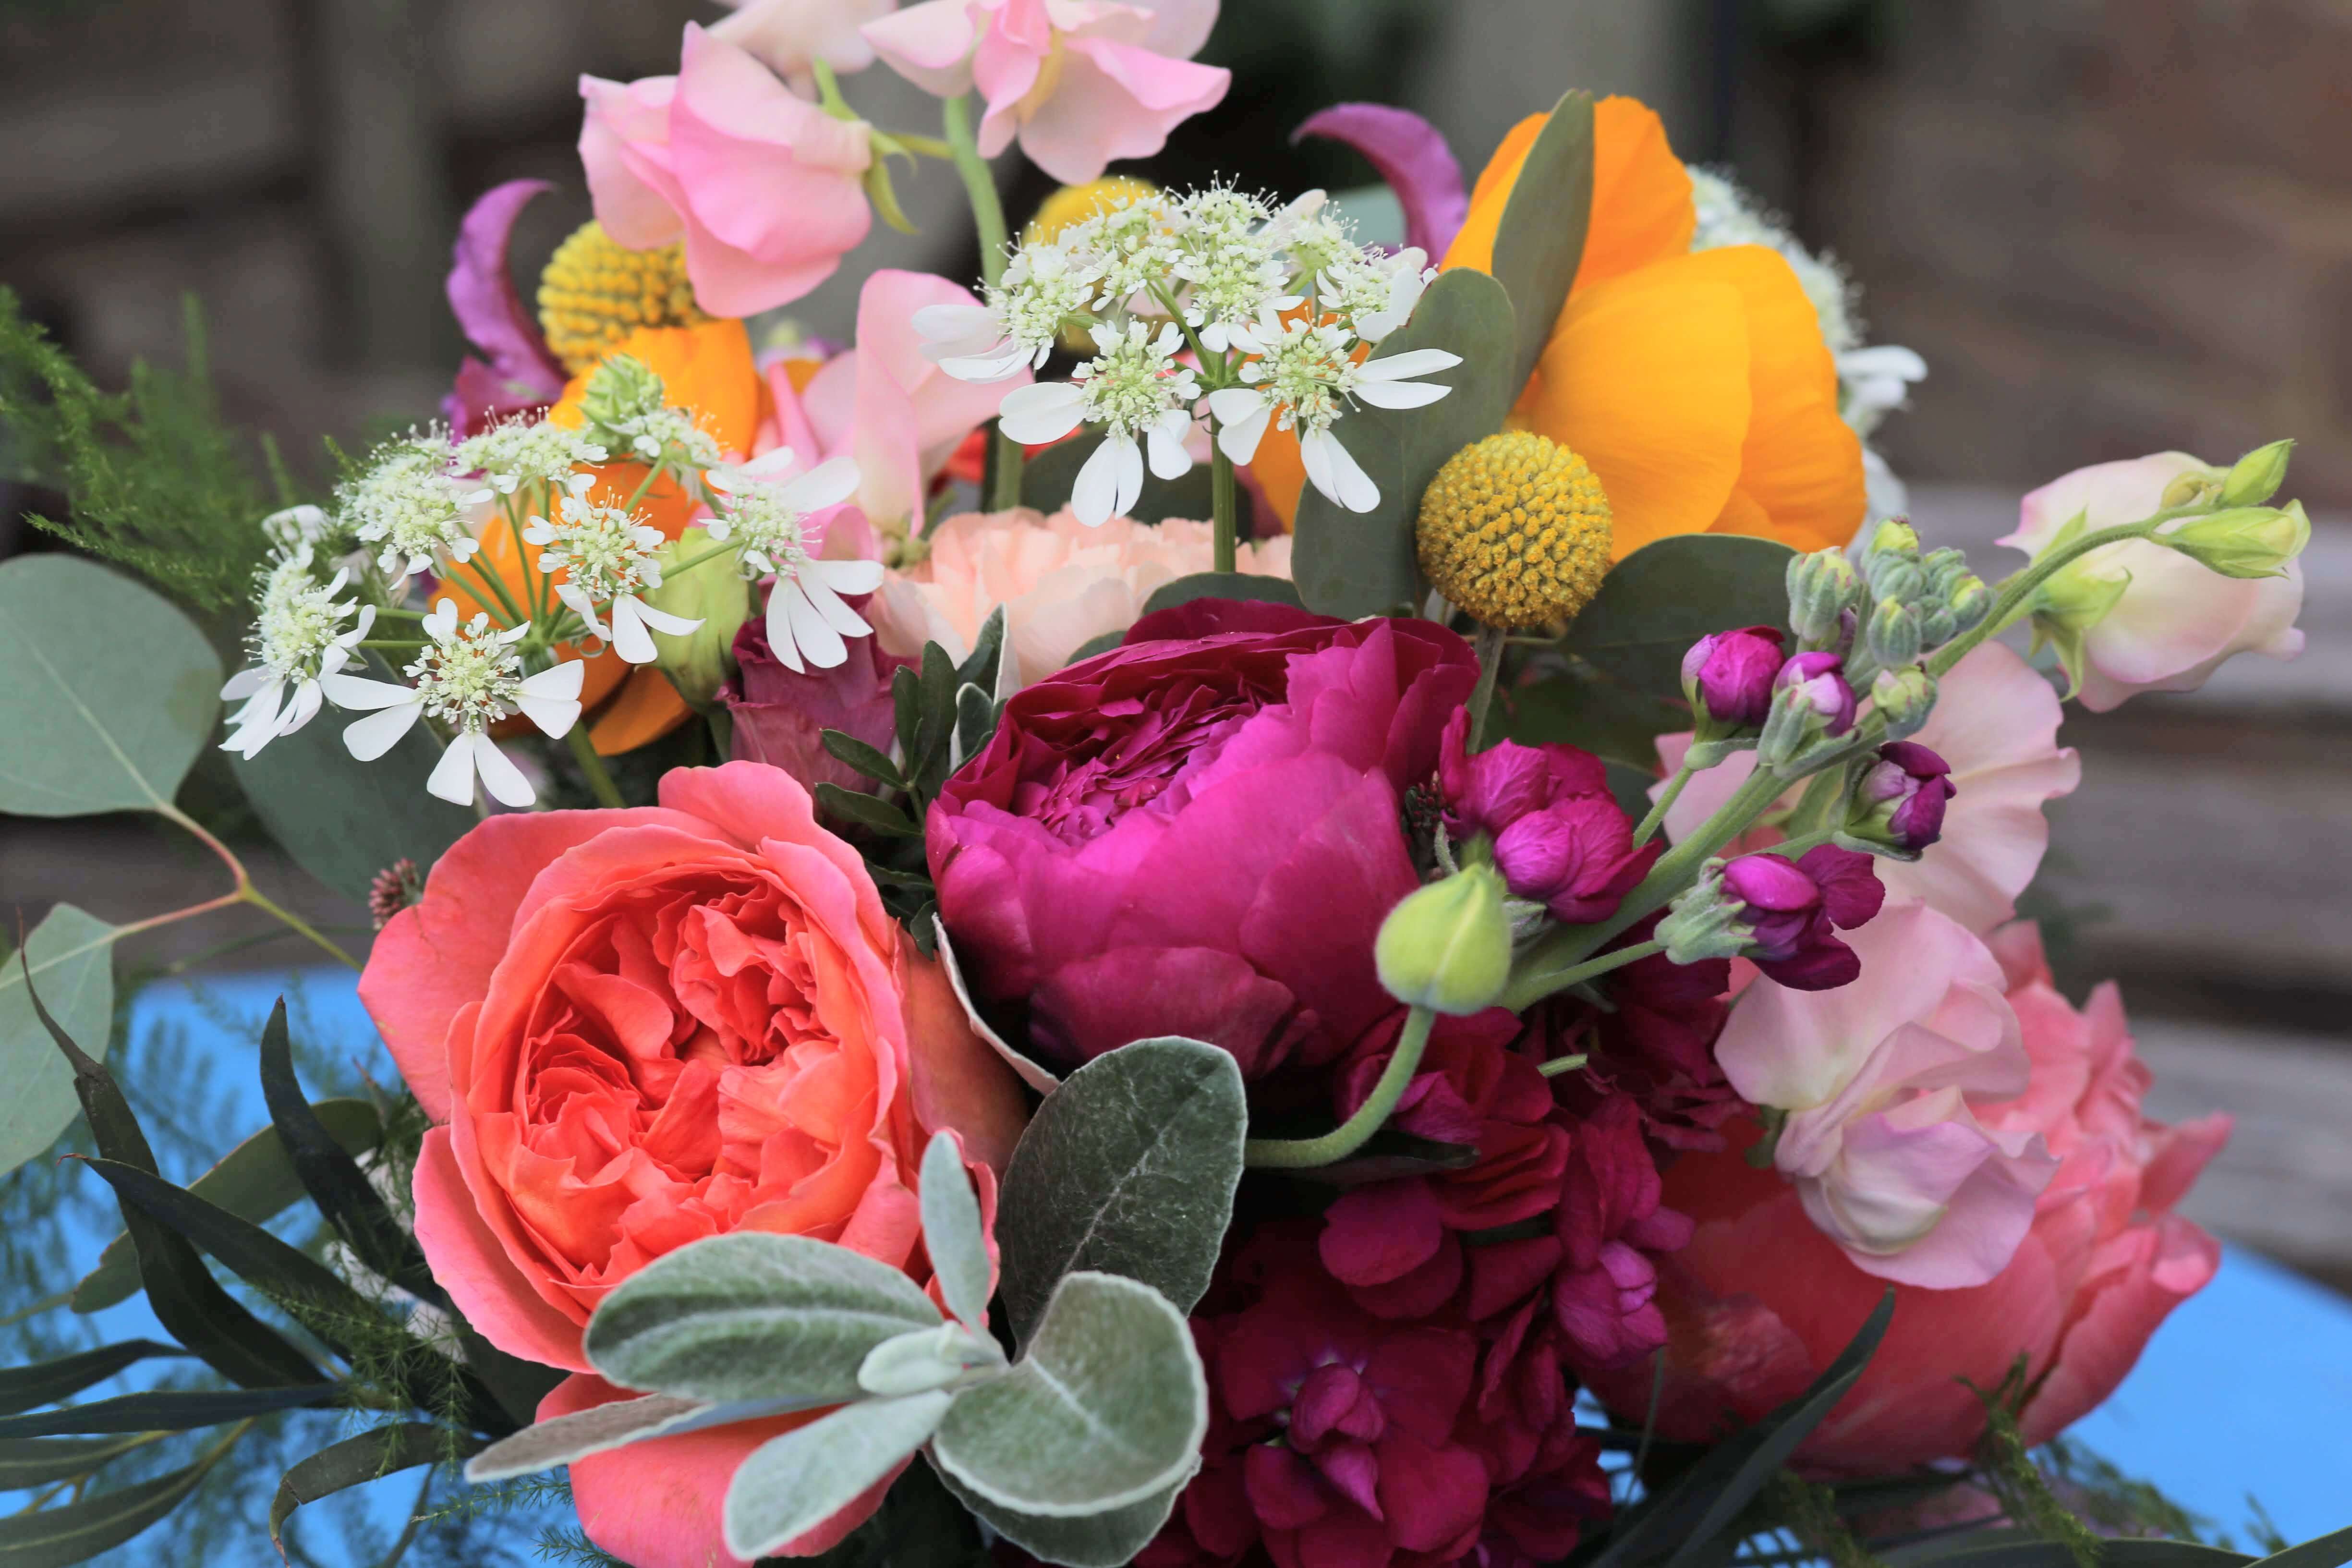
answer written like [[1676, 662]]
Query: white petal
[[827, 484], [1165, 442], [1217, 336], [1093, 495], [837, 615], [955, 325], [1343, 477], [818, 641], [847, 576], [554, 715], [630, 640], [366, 622], [301, 711], [377, 733], [557, 680], [244, 683], [359, 694], [453, 775], [780, 628], [1413, 361], [988, 367], [663, 621], [1400, 393], [1041, 411], [1238, 438], [442, 621], [1131, 473], [503, 779]]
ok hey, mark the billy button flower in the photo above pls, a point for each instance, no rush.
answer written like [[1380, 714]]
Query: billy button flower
[[595, 292], [1515, 530]]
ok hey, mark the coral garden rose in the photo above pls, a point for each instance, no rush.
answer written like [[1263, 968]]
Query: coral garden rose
[[1760, 1299], [1062, 584], [1198, 833], [641, 1028]]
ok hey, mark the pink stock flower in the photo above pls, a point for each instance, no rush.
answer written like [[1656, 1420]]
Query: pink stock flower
[[1795, 907], [2176, 621], [1081, 82], [764, 187], [1559, 836], [787, 36], [1760, 1299], [1062, 584], [1995, 724], [1883, 1080]]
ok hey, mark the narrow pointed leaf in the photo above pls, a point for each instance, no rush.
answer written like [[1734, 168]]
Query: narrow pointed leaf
[[979, 667], [564, 1438], [952, 1232], [71, 956], [46, 1382], [792, 1483], [57, 1537], [855, 805], [873, 763], [354, 1462], [2326, 1550], [29, 1462], [166, 1411], [1222, 585], [1539, 243], [1107, 1540]]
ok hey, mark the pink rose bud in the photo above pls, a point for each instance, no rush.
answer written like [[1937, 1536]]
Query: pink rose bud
[[1728, 676], [1898, 805]]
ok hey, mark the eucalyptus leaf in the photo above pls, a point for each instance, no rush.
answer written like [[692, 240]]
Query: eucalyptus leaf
[[1539, 243], [1667, 596], [1581, 708], [1106, 1540], [1130, 1167], [356, 1461], [1107, 1408], [77, 1532], [110, 692], [71, 956], [952, 1232], [561, 1439], [792, 1483], [1222, 585], [754, 1316]]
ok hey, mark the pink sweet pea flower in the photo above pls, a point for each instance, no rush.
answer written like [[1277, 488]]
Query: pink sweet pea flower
[[1996, 726], [1081, 82], [2176, 621], [1882, 1079], [786, 36], [764, 187]]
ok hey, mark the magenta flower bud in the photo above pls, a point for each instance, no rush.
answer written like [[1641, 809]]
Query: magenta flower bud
[[1820, 680], [1794, 908], [1559, 837], [1899, 802], [1727, 677]]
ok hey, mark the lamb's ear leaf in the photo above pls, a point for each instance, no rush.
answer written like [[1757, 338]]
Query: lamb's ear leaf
[[1107, 1540], [794, 1482], [952, 1232]]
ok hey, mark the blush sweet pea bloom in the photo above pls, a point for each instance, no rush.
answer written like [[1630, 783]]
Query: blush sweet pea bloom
[[1062, 584], [1882, 1079], [641, 1028], [789, 36], [1080, 82], [1761, 1301], [1995, 725], [764, 187], [2176, 621]]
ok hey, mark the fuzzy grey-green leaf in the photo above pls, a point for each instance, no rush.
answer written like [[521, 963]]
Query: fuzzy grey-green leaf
[[71, 956], [952, 1232], [1107, 1408], [1106, 1540], [561, 1439], [792, 1483], [754, 1316]]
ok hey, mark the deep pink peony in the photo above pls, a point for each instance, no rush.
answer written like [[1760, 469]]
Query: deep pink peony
[[1760, 1299], [1198, 833]]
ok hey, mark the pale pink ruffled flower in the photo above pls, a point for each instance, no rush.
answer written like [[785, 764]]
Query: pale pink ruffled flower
[[786, 36], [1061, 583], [2176, 621], [1996, 724], [1081, 82], [764, 187], [1883, 1078]]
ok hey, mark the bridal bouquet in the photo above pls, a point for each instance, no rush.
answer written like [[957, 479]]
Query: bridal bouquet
[[1243, 895]]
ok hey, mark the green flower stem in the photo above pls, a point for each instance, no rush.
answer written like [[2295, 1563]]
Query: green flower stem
[[1489, 644], [391, 612], [1528, 987], [1652, 823], [600, 781], [2017, 594], [988, 217], [1790, 848], [1559, 1065], [1224, 506], [1305, 1153], [661, 465], [485, 578], [392, 642], [691, 562], [534, 581]]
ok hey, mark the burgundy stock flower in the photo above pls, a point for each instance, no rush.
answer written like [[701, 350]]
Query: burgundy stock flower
[[1727, 677], [1796, 906], [1559, 837], [1820, 680], [1655, 1044], [1900, 801]]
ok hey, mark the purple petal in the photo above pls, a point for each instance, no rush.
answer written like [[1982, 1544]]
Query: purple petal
[[1412, 156], [482, 294]]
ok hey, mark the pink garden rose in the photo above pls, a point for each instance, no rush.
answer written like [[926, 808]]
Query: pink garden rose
[[1081, 82], [642, 1027], [1760, 1299], [1062, 584], [1995, 725], [764, 187], [2176, 621]]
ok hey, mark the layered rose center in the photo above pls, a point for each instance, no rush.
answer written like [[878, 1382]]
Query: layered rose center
[[1083, 771]]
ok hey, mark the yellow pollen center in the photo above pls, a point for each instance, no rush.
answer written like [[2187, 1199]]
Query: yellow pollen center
[[595, 292], [1515, 530]]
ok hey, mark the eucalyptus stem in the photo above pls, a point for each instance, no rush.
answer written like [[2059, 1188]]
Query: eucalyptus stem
[[600, 781], [1489, 644], [988, 218], [1665, 803], [1305, 1153], [1224, 505]]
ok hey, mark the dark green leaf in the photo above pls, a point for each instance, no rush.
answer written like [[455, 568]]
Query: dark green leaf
[[1100, 644], [1089, 1541], [71, 956], [187, 1300], [1666, 597], [2320, 1552], [46, 1382], [357, 1461], [1130, 1167], [1221, 585], [255, 1180], [905, 710], [1539, 243], [2028, 1551], [165, 1412], [918, 1525], [1361, 564], [77, 1532], [1580, 708], [975, 721], [29, 1462], [1048, 477], [856, 754], [855, 805], [979, 667]]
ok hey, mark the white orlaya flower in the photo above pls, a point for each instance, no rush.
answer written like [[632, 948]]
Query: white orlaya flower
[[628, 625], [767, 517], [469, 677], [1303, 383], [969, 342], [1402, 279], [1140, 394], [1877, 380], [609, 555], [298, 638]]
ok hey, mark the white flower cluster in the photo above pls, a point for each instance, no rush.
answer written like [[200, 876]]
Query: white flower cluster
[[412, 505], [769, 514], [1270, 315], [607, 554], [298, 637]]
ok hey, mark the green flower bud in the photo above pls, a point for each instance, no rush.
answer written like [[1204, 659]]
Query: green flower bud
[[1971, 602], [698, 663], [1894, 634], [1904, 699], [2198, 486], [624, 388], [2245, 541], [1701, 923], [1447, 946], [2256, 477], [1822, 587], [1895, 537]]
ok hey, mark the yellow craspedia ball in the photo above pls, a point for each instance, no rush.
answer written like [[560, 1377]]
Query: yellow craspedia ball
[[1515, 530], [595, 292], [1072, 204]]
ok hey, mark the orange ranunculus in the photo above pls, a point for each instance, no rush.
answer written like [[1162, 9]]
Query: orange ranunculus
[[1696, 384]]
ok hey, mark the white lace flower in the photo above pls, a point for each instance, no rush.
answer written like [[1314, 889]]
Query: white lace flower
[[1375, 294], [469, 677], [298, 527], [608, 553], [1045, 286], [1130, 247], [1133, 387], [297, 636], [1230, 258], [407, 504], [523, 451], [1304, 382], [767, 516]]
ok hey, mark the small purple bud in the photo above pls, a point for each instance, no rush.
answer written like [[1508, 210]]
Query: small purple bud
[[1900, 801], [1818, 678], [1794, 908], [1727, 677]]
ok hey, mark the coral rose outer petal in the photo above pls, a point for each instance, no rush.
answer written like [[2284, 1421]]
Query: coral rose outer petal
[[473, 1265], [2137, 1277], [957, 1081]]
